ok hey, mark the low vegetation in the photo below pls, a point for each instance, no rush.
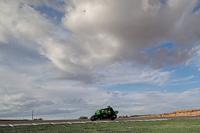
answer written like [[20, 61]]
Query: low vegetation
[[83, 117], [167, 126]]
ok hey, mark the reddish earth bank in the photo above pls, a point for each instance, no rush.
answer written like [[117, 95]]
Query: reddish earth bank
[[187, 112]]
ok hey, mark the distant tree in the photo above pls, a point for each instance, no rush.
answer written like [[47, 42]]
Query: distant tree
[[83, 117], [39, 119]]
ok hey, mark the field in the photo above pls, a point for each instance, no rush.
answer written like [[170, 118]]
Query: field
[[167, 126]]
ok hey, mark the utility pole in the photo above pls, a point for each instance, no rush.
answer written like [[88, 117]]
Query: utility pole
[[32, 114]]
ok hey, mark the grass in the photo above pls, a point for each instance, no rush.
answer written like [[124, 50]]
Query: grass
[[168, 126]]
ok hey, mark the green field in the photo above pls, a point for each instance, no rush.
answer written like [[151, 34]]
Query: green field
[[167, 126]]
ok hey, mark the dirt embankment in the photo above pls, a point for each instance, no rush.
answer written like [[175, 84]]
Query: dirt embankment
[[188, 112]]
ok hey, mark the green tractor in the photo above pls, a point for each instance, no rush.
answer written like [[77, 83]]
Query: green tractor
[[104, 114]]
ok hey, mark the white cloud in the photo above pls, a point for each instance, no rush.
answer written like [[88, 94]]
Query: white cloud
[[154, 102], [183, 79], [60, 98], [134, 29], [55, 4], [11, 80], [93, 37], [23, 21], [125, 74], [102, 33]]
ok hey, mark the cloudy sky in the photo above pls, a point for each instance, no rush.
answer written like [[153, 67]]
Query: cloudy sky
[[67, 58]]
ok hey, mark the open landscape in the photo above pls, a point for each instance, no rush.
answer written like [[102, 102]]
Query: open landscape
[[180, 121], [99, 66], [165, 126]]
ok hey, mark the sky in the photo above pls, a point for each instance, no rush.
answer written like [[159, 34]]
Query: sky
[[68, 58]]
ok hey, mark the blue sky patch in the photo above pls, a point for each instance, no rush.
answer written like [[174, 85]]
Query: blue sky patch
[[164, 2], [51, 13], [197, 7], [169, 45]]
